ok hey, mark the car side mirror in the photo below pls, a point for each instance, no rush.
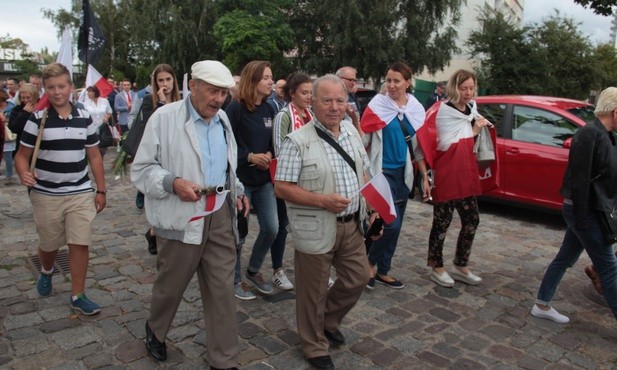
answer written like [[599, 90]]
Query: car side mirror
[[567, 143]]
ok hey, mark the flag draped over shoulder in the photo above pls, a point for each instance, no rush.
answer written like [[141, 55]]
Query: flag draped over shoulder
[[94, 78], [450, 154], [382, 109], [377, 193], [91, 40]]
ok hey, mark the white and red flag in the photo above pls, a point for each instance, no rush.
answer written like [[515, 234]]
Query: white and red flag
[[378, 194], [213, 203], [382, 110], [94, 78], [455, 168]]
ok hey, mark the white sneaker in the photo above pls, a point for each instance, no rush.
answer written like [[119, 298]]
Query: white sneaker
[[281, 281], [444, 279], [469, 278], [551, 314]]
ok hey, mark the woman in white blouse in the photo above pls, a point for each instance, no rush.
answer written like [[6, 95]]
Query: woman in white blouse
[[99, 109]]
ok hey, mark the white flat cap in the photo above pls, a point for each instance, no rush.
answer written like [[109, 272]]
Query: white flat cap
[[213, 72]]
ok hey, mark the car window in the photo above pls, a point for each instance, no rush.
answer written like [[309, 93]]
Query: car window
[[494, 113], [585, 113], [538, 126]]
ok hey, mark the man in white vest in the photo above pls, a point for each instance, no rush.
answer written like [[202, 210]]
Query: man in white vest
[[320, 187]]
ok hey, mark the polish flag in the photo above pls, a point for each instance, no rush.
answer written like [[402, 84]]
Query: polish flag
[[377, 193], [213, 203], [450, 155], [64, 57], [94, 78]]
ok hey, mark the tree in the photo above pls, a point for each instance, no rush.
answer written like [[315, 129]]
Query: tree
[[552, 58], [602, 7], [605, 57], [244, 34], [369, 35]]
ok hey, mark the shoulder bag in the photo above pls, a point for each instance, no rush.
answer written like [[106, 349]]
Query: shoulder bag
[[133, 138], [485, 152]]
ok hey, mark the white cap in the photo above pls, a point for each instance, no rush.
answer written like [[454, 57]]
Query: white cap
[[213, 72]]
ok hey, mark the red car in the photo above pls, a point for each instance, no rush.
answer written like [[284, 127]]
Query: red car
[[533, 140]]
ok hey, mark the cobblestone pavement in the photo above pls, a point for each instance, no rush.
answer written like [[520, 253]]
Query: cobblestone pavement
[[422, 326]]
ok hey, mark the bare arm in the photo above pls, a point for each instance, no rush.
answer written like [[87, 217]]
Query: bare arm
[[96, 165]]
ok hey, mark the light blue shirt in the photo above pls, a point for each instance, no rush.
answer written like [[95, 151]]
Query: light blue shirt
[[213, 144]]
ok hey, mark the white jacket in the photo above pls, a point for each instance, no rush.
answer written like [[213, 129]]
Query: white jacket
[[169, 149]]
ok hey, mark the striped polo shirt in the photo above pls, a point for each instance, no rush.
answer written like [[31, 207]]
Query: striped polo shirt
[[61, 167]]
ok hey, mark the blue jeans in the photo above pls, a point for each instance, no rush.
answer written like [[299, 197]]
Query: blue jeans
[[382, 250], [264, 203], [278, 247], [574, 242], [8, 160]]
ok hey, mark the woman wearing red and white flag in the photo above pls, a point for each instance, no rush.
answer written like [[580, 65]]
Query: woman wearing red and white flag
[[387, 120], [456, 180]]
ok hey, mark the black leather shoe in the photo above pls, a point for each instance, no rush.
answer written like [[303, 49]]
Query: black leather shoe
[[335, 337], [157, 349], [152, 248], [321, 362]]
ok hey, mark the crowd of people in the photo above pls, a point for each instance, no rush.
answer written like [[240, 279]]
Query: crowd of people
[[297, 153]]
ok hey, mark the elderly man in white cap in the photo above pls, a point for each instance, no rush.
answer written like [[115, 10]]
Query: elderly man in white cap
[[191, 194]]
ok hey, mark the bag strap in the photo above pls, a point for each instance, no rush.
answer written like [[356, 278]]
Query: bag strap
[[325, 137], [407, 137]]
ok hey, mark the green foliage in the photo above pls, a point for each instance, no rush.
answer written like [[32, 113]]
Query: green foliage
[[244, 37], [605, 56], [369, 35], [551, 58], [602, 7]]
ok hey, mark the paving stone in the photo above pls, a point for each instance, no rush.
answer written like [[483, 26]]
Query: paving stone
[[249, 330], [290, 337], [366, 347], [497, 332], [565, 340], [19, 321], [30, 346], [80, 353], [130, 351], [446, 350], [474, 342], [433, 359], [71, 366], [58, 325], [504, 352], [444, 314], [465, 363], [385, 357], [270, 345], [531, 363], [75, 337]]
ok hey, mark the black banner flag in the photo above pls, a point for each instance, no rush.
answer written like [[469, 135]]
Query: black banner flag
[[91, 41]]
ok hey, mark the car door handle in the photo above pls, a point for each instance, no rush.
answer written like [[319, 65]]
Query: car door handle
[[512, 151]]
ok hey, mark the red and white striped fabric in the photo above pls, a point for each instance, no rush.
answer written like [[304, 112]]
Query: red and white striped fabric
[[455, 168], [94, 78], [382, 109], [378, 194], [213, 203]]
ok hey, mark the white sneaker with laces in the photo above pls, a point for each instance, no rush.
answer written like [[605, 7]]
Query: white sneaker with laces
[[551, 314], [280, 280]]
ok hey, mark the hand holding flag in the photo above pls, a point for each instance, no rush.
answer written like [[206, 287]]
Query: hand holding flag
[[378, 194]]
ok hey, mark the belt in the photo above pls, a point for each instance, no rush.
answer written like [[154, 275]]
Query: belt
[[348, 218], [210, 190]]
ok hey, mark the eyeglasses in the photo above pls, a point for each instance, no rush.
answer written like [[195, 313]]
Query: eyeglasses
[[352, 80]]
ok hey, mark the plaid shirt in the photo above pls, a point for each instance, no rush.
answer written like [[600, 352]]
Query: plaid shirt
[[290, 165]]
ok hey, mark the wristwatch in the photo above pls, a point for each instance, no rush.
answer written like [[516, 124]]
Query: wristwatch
[[103, 192]]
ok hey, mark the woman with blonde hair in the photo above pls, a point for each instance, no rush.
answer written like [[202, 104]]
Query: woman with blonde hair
[[28, 97], [456, 179]]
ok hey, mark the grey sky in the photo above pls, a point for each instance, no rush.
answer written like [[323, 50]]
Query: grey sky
[[23, 19]]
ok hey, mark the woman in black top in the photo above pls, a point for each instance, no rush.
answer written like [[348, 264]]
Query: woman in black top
[[251, 120], [164, 90]]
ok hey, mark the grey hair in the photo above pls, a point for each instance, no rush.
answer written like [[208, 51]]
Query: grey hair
[[339, 72], [607, 102], [329, 77]]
